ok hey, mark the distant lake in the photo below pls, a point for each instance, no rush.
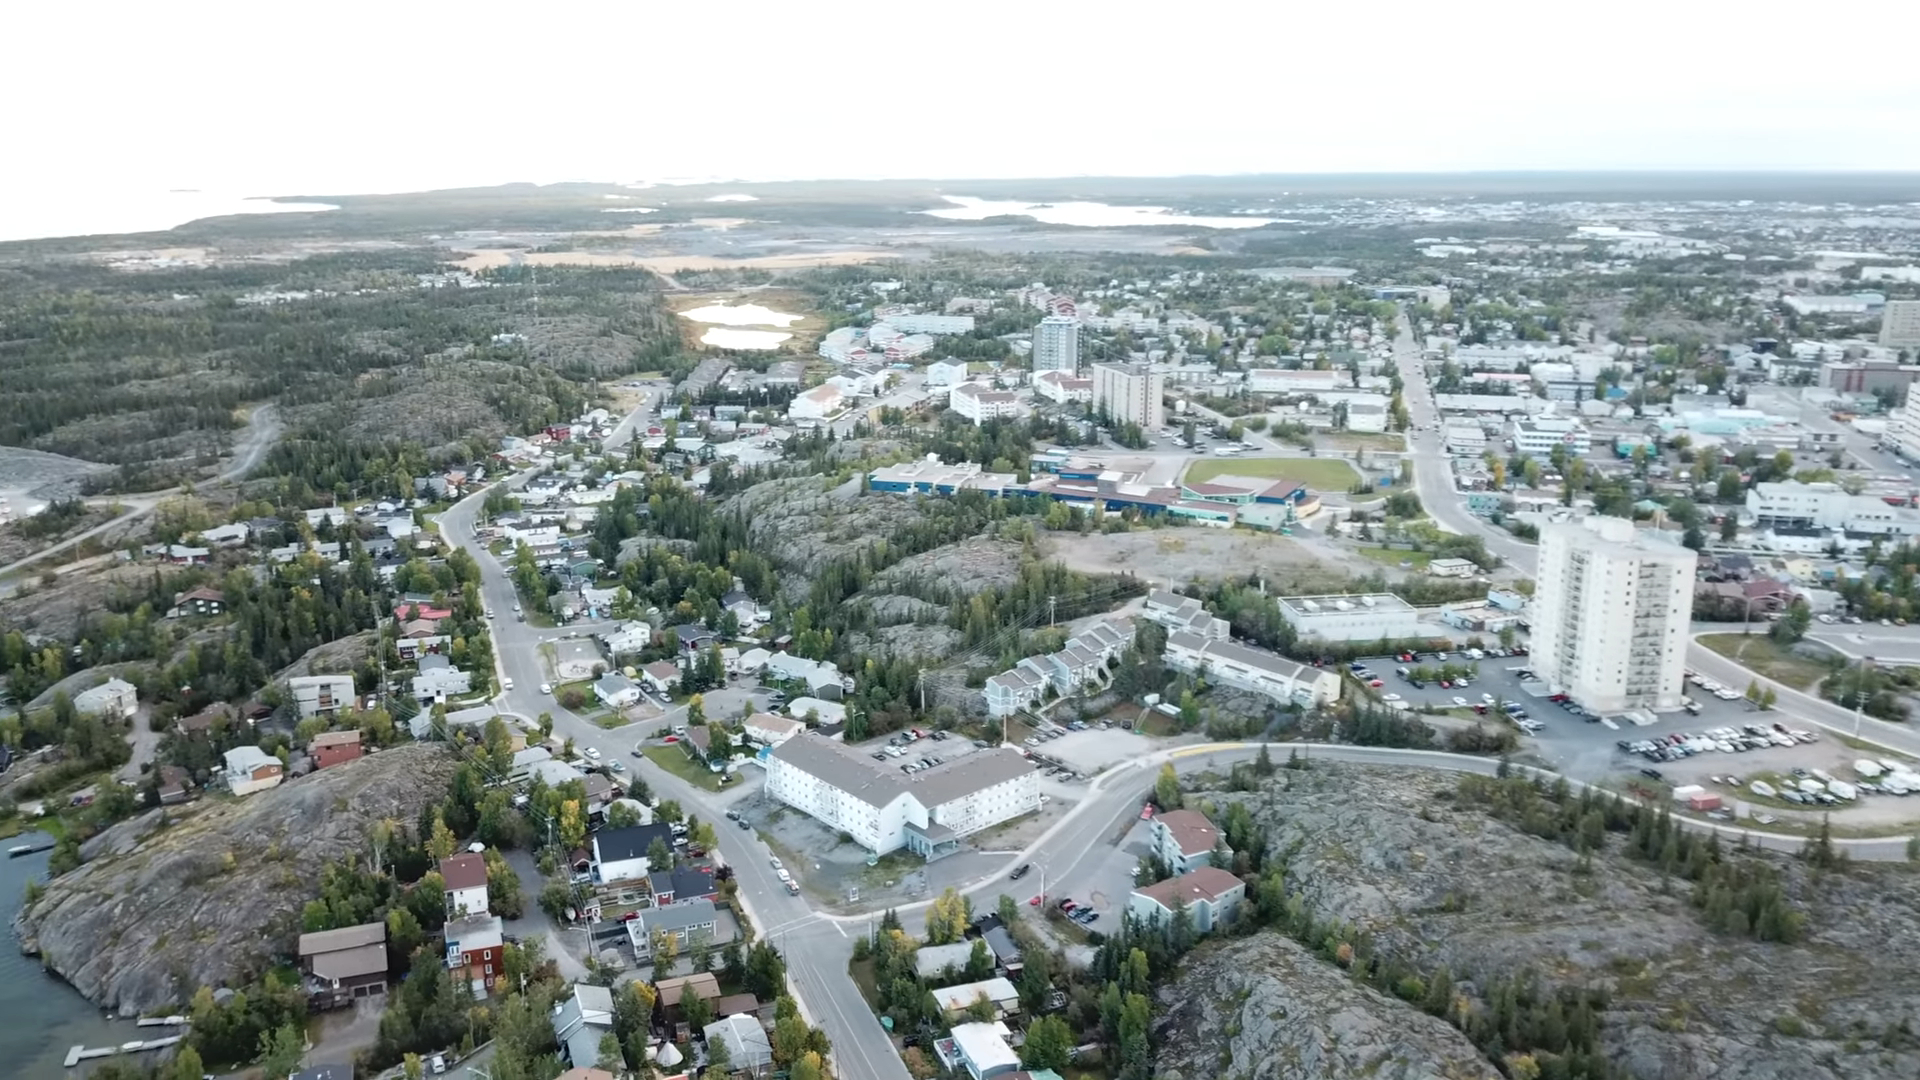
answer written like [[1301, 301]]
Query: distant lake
[[46, 214], [741, 315], [723, 338], [1090, 214], [43, 1016]]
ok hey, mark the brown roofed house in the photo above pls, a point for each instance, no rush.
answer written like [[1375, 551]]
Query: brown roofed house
[[334, 747], [345, 964], [202, 722]]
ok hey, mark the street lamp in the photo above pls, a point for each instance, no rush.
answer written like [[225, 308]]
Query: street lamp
[[1860, 693]]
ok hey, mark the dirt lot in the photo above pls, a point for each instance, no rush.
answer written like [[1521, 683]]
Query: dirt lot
[[56, 610], [1165, 556]]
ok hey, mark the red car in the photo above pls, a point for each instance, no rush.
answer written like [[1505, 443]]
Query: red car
[[1445, 685], [1035, 902], [1375, 683], [1146, 812], [672, 738], [630, 916]]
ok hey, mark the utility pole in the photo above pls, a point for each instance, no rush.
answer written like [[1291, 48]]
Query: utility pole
[[1051, 600], [923, 689]]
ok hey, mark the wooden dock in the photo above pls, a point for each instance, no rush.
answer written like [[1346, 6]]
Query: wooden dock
[[80, 1053], [161, 1021]]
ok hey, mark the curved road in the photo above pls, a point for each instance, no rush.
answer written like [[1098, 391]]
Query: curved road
[[1433, 480], [263, 428]]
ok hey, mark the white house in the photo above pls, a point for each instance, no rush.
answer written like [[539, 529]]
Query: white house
[[955, 1000], [820, 709], [1062, 387], [321, 695], [1184, 840], [114, 699], [615, 690], [1211, 896], [621, 854], [439, 679], [629, 638], [748, 1047], [660, 676], [250, 769], [767, 729], [982, 1050], [818, 403], [465, 875]]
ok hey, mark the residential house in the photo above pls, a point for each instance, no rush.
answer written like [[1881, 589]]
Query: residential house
[[682, 884], [1020, 687], [202, 722], [629, 638], [766, 729], [671, 995], [174, 785], [439, 680], [956, 1000], [524, 762], [343, 965], [1006, 952], [331, 748], [981, 1050], [1210, 895], [466, 877], [660, 676], [250, 769], [321, 695], [115, 699], [621, 854], [693, 637], [474, 949], [681, 922], [1183, 840], [615, 690], [581, 1021], [932, 961], [698, 743], [748, 1047], [946, 373], [202, 601], [822, 678], [1176, 612]]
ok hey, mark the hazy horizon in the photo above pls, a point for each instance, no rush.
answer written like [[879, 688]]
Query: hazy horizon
[[377, 98]]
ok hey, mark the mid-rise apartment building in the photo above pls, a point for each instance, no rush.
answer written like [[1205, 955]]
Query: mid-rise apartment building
[[982, 403], [1611, 610], [884, 809], [1900, 324], [1537, 438], [1056, 344], [1129, 393]]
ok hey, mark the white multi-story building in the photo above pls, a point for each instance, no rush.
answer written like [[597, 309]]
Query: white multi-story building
[[980, 403], [927, 811], [1129, 393], [818, 403], [1610, 614], [946, 373], [1062, 387], [321, 695], [1903, 431], [1262, 672], [1793, 505], [1351, 617], [927, 324], [1056, 344], [1296, 381], [1900, 324], [1538, 437]]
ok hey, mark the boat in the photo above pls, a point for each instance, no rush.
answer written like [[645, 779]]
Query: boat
[[130, 1047], [1868, 768], [1812, 787], [1763, 789]]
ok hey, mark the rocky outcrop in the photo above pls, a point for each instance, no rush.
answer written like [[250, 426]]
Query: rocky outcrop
[[1440, 885], [1264, 1008], [208, 894]]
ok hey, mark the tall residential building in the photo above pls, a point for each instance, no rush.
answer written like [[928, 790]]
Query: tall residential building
[[1056, 344], [1611, 613], [1129, 393], [1900, 324]]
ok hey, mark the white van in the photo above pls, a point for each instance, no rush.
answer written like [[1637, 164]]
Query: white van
[[506, 682]]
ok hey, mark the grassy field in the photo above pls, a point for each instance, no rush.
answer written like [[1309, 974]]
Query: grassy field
[[1350, 441], [1760, 653], [675, 760], [1325, 474]]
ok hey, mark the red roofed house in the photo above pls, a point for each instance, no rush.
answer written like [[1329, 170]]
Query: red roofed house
[[331, 748], [409, 612], [1210, 895]]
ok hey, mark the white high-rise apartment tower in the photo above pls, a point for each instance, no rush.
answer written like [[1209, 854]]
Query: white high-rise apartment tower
[[1611, 611], [1129, 393], [1900, 324], [1056, 345]]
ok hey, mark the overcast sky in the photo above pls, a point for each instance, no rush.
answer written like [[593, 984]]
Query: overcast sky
[[350, 96]]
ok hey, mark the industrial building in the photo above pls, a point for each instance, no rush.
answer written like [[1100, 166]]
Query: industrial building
[[1826, 506], [1351, 617], [1129, 393], [1610, 614]]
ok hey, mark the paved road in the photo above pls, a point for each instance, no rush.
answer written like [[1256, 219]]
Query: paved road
[[1433, 479]]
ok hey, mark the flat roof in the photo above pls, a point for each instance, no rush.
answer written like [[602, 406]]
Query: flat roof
[[1310, 606]]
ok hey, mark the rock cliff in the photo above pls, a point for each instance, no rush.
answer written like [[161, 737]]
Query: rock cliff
[[1439, 884], [1270, 1010], [210, 893]]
